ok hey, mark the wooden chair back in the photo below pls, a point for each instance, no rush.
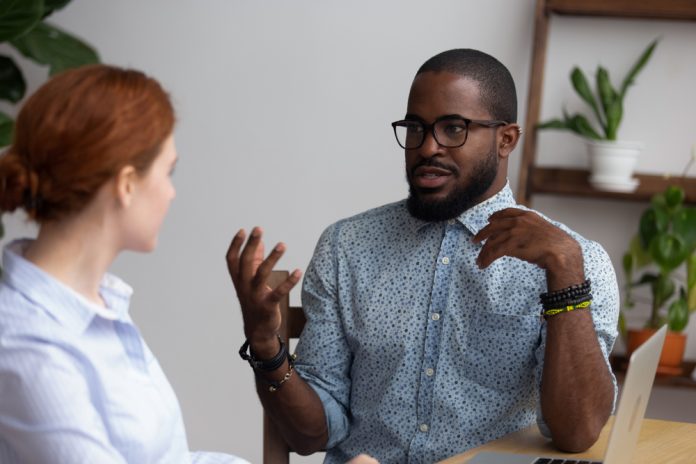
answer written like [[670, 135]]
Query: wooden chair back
[[275, 449]]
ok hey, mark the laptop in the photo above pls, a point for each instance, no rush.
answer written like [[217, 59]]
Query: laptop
[[629, 416]]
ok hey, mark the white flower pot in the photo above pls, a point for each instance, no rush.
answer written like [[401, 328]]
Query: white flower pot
[[612, 164]]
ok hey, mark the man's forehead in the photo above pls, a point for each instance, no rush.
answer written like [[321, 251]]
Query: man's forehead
[[437, 93]]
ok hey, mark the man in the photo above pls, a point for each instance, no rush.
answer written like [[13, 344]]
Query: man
[[424, 333]]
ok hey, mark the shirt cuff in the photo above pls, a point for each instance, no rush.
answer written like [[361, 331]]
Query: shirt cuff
[[336, 419]]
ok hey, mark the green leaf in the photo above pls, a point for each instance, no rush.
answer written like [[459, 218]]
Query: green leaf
[[607, 94], [52, 5], [49, 45], [622, 327], [678, 315], [674, 196], [646, 278], [614, 115], [580, 125], [12, 83], [18, 16], [684, 226], [641, 256], [663, 289], [6, 129], [552, 124], [691, 282], [642, 61], [581, 86], [668, 251], [628, 272], [653, 221]]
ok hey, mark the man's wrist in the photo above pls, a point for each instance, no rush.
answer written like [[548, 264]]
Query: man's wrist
[[265, 348]]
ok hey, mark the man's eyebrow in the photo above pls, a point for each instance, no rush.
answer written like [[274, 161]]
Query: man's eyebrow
[[415, 117]]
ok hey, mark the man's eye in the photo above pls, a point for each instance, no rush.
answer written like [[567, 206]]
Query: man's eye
[[455, 129], [414, 128]]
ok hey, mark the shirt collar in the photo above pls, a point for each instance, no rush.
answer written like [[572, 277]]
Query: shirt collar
[[476, 217], [61, 302]]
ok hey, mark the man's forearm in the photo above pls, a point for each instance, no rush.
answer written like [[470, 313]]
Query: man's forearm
[[296, 410], [576, 391]]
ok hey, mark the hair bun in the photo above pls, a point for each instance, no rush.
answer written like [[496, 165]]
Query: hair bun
[[16, 182]]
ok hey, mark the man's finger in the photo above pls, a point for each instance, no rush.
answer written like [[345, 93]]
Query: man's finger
[[232, 256], [494, 227], [495, 247], [284, 288], [252, 255], [508, 213], [265, 268]]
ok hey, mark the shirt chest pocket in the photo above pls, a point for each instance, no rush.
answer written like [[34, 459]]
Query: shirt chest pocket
[[500, 350]]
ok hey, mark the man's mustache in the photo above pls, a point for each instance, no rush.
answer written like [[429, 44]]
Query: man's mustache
[[433, 163]]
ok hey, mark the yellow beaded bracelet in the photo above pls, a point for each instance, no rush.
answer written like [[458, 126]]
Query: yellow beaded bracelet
[[568, 308]]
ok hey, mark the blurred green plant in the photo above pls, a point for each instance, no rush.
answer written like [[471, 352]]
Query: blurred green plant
[[606, 102], [665, 250], [23, 26]]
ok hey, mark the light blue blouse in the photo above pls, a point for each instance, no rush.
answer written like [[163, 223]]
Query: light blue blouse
[[78, 384]]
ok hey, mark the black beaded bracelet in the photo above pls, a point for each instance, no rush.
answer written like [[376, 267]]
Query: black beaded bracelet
[[566, 294], [261, 364]]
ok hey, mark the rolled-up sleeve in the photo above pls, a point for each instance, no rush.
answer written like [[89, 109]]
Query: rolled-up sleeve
[[323, 354]]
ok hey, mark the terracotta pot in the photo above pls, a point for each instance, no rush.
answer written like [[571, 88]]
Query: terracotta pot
[[672, 352]]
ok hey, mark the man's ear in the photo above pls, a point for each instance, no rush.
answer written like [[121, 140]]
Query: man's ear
[[125, 185], [507, 140]]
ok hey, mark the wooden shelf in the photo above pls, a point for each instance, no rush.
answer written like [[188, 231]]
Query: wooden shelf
[[574, 182], [534, 179], [648, 9]]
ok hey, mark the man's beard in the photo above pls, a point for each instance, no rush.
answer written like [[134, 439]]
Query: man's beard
[[460, 199]]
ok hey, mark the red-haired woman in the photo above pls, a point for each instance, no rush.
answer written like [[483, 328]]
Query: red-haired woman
[[91, 163]]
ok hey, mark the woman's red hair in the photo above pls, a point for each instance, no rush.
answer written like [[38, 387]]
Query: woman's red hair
[[78, 131]]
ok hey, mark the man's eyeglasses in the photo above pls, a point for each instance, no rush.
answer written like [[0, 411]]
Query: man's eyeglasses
[[449, 131]]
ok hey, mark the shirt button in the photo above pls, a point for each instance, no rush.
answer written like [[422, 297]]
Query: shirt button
[[423, 427], [451, 221], [429, 372], [436, 316], [445, 260]]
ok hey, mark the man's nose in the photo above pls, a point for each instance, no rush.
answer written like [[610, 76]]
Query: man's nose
[[430, 146]]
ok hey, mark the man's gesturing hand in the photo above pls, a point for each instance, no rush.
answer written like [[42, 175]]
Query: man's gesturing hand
[[250, 272], [526, 235]]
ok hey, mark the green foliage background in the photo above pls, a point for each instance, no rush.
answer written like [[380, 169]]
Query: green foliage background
[[23, 26]]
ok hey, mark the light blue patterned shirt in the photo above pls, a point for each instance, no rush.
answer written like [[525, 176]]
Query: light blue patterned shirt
[[77, 382], [415, 352]]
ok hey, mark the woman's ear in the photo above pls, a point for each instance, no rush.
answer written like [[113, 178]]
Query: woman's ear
[[509, 136], [125, 185]]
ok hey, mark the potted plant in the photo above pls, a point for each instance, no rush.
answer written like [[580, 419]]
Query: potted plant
[[611, 160], [23, 27], [664, 250]]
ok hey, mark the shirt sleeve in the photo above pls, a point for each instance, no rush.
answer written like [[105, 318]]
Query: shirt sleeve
[[45, 410], [604, 310], [323, 355]]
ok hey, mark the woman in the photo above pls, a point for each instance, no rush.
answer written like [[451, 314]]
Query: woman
[[91, 163]]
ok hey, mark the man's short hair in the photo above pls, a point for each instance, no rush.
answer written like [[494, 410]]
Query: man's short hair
[[497, 88]]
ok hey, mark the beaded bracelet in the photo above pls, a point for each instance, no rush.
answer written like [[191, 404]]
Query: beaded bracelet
[[565, 309], [565, 295], [273, 385]]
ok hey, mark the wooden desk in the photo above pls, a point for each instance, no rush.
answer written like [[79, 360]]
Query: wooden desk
[[660, 441]]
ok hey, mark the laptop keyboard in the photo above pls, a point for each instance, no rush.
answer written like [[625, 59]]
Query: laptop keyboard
[[563, 461]]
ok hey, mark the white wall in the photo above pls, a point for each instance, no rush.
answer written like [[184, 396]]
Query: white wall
[[284, 112]]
